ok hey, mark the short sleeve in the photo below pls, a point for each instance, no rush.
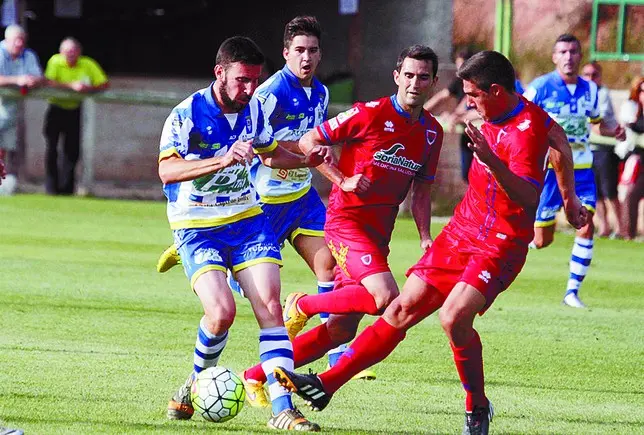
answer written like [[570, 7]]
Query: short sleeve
[[32, 64], [530, 94], [348, 125], [527, 156], [264, 140], [96, 73], [175, 135], [51, 68]]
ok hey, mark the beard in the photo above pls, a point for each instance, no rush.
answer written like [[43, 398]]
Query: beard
[[230, 104]]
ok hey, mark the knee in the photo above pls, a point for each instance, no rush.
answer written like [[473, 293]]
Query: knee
[[402, 313], [542, 242], [342, 330], [325, 268], [456, 326], [449, 321], [219, 320], [273, 310], [384, 297]]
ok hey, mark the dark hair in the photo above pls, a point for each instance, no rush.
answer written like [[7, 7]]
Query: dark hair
[[595, 65], [567, 37], [239, 49], [487, 68], [464, 53], [302, 25], [418, 52]]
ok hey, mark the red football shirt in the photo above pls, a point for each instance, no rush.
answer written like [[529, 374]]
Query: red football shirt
[[520, 140], [380, 141]]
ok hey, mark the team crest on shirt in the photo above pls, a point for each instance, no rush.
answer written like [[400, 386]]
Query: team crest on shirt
[[249, 125], [431, 136], [366, 259]]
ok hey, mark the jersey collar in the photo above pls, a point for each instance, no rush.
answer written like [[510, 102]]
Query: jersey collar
[[560, 81], [294, 81], [401, 111], [514, 112]]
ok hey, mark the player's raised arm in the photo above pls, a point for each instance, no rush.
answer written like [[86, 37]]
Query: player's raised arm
[[518, 189], [174, 169], [282, 158], [563, 165], [357, 183]]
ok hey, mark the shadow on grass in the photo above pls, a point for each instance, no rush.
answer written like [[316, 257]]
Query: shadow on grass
[[454, 381], [176, 427]]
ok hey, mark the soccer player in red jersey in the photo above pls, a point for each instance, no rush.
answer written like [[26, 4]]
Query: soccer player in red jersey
[[477, 255], [389, 147]]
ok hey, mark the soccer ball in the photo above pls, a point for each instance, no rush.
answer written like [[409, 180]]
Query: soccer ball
[[217, 394]]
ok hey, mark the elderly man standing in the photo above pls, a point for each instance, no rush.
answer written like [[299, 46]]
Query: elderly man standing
[[67, 70], [19, 67]]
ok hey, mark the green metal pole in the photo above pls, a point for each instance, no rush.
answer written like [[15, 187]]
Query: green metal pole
[[507, 28], [593, 30], [620, 28], [498, 26]]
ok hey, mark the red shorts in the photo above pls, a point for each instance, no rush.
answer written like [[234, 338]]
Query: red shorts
[[456, 256], [356, 255]]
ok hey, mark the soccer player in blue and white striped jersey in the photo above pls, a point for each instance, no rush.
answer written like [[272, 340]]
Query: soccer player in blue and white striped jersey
[[573, 103], [207, 144]]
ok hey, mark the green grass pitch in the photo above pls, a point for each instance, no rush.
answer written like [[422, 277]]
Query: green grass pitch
[[93, 340]]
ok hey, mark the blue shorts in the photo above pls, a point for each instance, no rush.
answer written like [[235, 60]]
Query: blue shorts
[[233, 246], [305, 215], [551, 201]]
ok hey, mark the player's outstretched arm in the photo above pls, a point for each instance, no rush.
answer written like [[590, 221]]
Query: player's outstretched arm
[[174, 169], [518, 190], [563, 165], [421, 210], [282, 158]]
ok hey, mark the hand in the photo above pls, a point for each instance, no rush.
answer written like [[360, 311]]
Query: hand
[[356, 184], [317, 155], [28, 81], [576, 213], [620, 133], [479, 144], [79, 87], [239, 152], [426, 243]]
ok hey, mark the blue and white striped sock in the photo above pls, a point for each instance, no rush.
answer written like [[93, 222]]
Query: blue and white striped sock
[[582, 254], [275, 349], [208, 347], [336, 353]]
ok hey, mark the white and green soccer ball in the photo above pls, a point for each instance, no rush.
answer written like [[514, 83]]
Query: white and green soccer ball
[[217, 394]]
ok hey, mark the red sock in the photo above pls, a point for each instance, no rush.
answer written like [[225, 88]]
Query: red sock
[[469, 364], [311, 345], [255, 373], [307, 347], [372, 346], [350, 299]]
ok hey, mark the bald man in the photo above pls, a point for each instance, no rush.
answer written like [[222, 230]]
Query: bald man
[[70, 70], [19, 67]]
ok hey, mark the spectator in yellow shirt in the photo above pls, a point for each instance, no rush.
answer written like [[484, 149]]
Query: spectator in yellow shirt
[[67, 70]]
